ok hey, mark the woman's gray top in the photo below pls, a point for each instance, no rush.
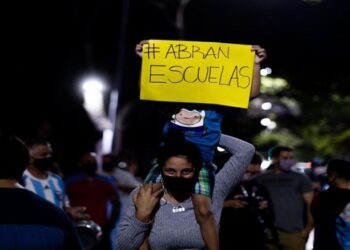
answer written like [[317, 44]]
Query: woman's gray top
[[174, 228]]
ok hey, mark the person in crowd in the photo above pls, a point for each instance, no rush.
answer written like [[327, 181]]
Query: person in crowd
[[203, 127], [97, 194], [123, 180], [331, 209], [318, 175], [247, 220], [39, 179], [26, 220], [291, 194], [168, 218]]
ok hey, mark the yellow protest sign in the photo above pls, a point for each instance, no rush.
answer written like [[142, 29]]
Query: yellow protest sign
[[197, 72]]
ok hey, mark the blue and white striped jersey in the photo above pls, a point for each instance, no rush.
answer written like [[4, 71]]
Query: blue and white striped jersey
[[51, 188]]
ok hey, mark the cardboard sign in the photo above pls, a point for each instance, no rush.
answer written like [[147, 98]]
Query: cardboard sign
[[197, 72]]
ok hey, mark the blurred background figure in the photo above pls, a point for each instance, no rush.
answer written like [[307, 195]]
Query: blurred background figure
[[318, 174], [26, 220], [39, 178], [331, 209], [291, 194], [247, 220], [97, 194], [122, 172], [117, 169]]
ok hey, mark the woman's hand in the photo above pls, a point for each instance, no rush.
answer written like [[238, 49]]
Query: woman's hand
[[139, 47], [145, 201]]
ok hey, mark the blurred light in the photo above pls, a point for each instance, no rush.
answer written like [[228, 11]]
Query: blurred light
[[265, 121], [300, 167], [220, 149], [266, 106], [122, 164], [268, 123], [107, 140], [272, 85], [265, 164], [272, 125], [93, 101], [265, 71], [92, 85]]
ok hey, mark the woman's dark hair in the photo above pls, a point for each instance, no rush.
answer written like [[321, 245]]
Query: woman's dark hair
[[180, 148], [14, 157]]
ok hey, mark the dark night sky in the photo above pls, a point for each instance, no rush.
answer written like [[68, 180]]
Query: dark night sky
[[50, 44]]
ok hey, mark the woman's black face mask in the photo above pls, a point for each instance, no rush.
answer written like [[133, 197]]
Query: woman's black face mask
[[179, 186]]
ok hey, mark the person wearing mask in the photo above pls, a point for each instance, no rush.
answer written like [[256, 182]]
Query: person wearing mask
[[26, 220], [39, 179], [331, 209], [201, 124], [124, 182], [291, 194], [97, 194], [167, 217], [247, 220]]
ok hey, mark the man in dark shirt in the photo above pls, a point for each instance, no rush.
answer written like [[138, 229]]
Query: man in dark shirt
[[291, 194], [331, 209], [26, 220], [247, 220]]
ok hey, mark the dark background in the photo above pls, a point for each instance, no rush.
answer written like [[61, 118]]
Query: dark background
[[50, 45]]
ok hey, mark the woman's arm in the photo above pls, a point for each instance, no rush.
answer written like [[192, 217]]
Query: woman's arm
[[231, 173], [132, 232], [139, 215]]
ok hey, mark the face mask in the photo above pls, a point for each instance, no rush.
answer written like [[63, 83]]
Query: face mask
[[108, 166], [90, 168], [179, 186], [43, 164], [287, 164]]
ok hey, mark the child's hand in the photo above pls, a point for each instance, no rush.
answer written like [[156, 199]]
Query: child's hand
[[260, 54], [139, 47]]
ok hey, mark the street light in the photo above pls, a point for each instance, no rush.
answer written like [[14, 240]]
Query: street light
[[93, 88]]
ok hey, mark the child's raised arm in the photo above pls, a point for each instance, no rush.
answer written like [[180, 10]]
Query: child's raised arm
[[260, 55]]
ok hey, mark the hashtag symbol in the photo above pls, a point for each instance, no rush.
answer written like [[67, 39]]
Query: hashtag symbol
[[151, 50]]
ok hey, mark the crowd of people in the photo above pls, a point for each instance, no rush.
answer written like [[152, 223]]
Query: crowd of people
[[189, 200]]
